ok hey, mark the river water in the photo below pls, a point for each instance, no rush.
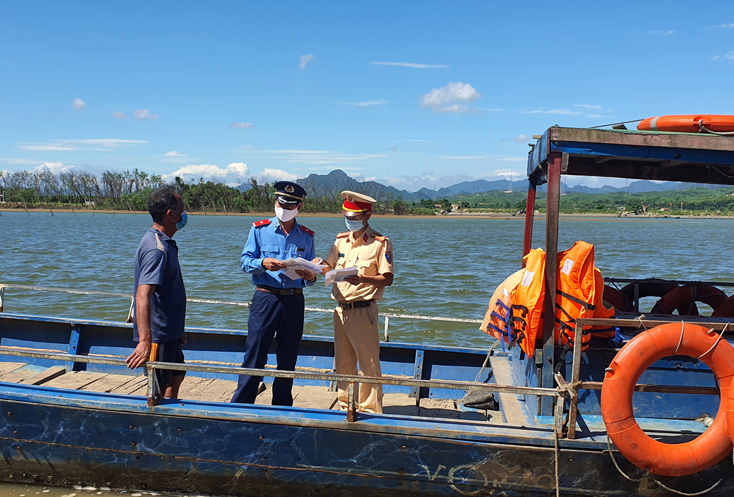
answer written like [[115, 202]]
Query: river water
[[443, 266]]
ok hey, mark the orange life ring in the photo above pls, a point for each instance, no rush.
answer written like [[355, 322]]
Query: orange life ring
[[616, 399], [684, 300], [690, 123]]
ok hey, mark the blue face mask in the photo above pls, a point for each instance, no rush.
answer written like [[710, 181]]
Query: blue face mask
[[180, 225], [353, 226]]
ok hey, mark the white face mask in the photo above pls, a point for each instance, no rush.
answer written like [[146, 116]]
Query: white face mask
[[285, 215]]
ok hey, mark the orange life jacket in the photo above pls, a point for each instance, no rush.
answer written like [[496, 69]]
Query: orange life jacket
[[527, 302], [498, 318], [575, 291], [601, 310]]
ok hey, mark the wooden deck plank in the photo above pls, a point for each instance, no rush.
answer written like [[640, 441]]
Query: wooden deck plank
[[9, 367], [21, 374], [221, 391], [438, 408], [265, 398], [399, 403], [109, 383], [131, 385], [45, 375], [75, 380], [315, 397], [195, 388]]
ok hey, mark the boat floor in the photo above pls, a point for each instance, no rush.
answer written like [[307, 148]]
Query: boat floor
[[216, 390]]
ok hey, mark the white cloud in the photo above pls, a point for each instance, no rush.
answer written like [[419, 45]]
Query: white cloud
[[241, 125], [53, 167], [361, 177], [99, 144], [305, 59], [730, 55], [119, 115], [78, 103], [562, 112], [234, 174], [521, 138], [515, 159], [173, 153], [411, 64], [724, 26], [590, 107], [661, 32], [19, 161], [715, 57], [270, 175], [314, 156], [458, 109], [492, 109], [364, 104], [144, 115], [454, 97], [467, 157]]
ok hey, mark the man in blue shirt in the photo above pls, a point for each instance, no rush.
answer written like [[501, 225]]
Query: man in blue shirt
[[277, 305], [160, 296]]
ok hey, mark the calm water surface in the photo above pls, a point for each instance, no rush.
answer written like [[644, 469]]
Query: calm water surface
[[444, 267]]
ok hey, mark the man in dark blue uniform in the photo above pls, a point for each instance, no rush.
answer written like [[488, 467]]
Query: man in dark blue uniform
[[277, 305]]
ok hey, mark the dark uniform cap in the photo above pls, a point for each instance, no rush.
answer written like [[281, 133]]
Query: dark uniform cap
[[287, 192]]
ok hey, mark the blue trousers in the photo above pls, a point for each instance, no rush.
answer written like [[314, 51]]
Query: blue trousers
[[279, 316]]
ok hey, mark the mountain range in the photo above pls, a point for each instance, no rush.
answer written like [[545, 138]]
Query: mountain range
[[337, 180]]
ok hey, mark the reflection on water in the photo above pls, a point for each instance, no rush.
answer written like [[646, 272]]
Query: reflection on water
[[444, 267]]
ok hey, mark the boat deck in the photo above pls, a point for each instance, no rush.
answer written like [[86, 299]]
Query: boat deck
[[217, 390]]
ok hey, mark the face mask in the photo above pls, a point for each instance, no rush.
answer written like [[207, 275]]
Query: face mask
[[180, 225], [285, 215], [353, 226]]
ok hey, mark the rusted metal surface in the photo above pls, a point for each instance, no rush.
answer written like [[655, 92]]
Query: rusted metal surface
[[529, 217]]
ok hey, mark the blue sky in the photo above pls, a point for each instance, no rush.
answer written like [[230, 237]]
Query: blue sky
[[412, 94]]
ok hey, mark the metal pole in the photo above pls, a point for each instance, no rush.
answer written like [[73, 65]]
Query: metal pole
[[152, 385], [386, 334], [2, 298], [351, 408], [529, 218], [551, 270]]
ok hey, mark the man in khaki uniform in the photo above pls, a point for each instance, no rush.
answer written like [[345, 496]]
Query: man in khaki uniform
[[356, 338]]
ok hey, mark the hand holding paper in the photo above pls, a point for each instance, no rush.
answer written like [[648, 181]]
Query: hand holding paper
[[294, 264], [337, 275]]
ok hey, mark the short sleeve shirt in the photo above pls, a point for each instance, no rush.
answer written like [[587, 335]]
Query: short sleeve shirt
[[372, 253], [156, 263]]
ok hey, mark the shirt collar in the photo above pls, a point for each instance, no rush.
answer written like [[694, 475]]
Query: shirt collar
[[163, 236], [364, 237], [276, 223]]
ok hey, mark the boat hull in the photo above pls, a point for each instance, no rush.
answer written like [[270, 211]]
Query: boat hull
[[70, 445]]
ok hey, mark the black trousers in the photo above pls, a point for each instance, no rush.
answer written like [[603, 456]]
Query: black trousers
[[279, 316]]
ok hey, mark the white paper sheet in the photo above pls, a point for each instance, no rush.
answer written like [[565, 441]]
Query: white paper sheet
[[295, 263], [336, 275]]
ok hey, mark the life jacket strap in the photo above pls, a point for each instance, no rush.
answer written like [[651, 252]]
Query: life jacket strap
[[586, 305]]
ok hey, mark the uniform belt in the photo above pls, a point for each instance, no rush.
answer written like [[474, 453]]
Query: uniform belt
[[279, 291], [355, 305]]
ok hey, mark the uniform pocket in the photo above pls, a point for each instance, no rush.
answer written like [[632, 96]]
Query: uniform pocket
[[270, 251]]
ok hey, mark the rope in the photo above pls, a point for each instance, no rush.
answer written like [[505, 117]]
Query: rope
[[234, 303], [486, 360], [684, 493], [682, 329], [612, 124], [717, 340], [702, 129], [558, 485], [647, 473], [617, 465], [641, 320]]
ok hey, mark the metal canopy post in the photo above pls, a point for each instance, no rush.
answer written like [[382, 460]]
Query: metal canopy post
[[529, 217], [551, 270]]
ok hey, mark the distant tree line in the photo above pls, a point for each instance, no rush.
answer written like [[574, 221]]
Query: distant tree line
[[129, 190]]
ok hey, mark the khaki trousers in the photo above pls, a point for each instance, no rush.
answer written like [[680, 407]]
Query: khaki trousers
[[356, 339]]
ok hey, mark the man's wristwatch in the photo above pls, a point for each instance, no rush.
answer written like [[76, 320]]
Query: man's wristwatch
[[312, 280]]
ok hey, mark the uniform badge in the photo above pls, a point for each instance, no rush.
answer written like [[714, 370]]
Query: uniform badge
[[289, 188], [388, 257]]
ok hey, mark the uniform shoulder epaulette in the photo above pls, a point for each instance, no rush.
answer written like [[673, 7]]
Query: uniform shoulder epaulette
[[344, 235], [306, 230], [378, 236], [262, 222]]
